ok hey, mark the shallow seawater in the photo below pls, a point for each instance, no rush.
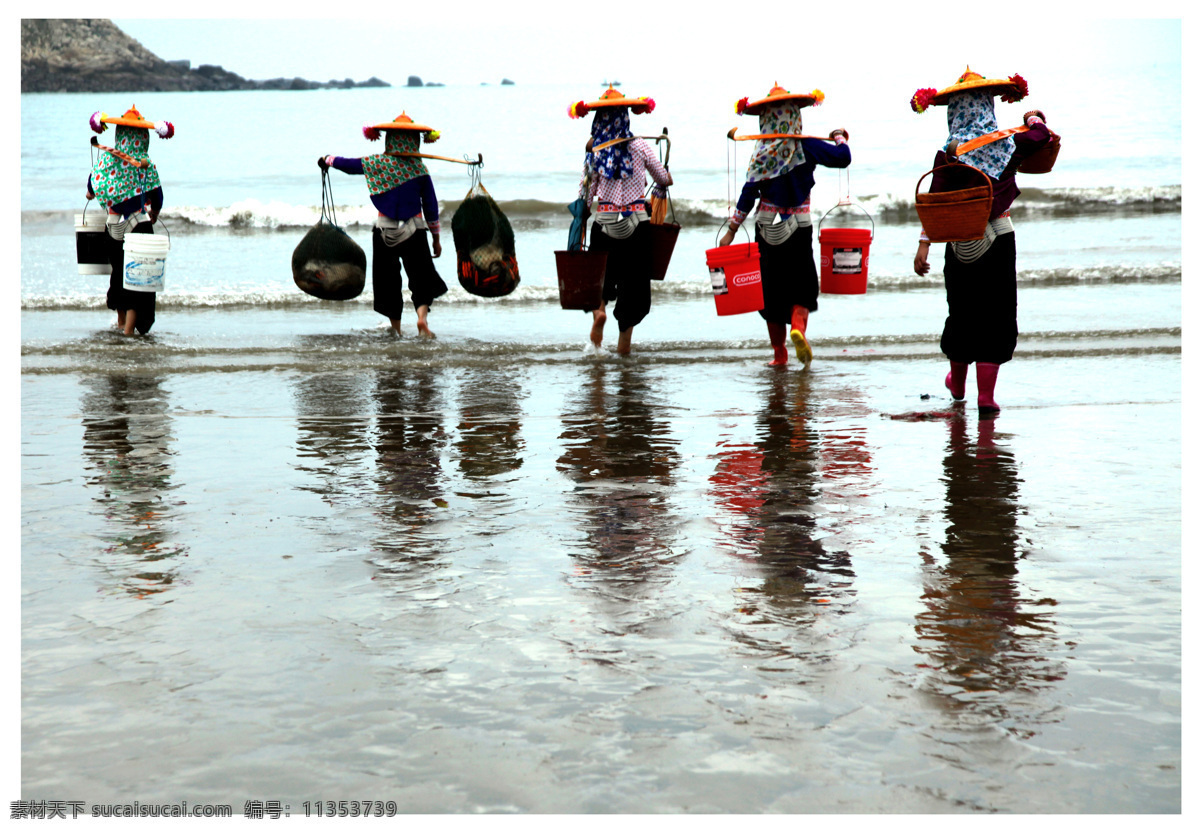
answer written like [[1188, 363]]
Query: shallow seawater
[[326, 565], [270, 552]]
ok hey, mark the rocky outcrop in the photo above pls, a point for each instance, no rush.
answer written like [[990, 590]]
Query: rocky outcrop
[[91, 56], [85, 55]]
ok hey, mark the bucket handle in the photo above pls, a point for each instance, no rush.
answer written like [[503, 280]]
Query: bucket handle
[[986, 180], [725, 223], [846, 205], [155, 223]]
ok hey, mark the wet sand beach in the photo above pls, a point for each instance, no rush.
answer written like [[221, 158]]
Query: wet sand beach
[[270, 553], [538, 580]]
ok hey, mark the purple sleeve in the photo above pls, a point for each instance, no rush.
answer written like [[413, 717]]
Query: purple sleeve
[[827, 153], [749, 196], [429, 203], [348, 166], [1030, 142]]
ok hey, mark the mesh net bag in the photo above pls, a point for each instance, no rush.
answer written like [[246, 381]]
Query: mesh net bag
[[483, 241], [327, 264]]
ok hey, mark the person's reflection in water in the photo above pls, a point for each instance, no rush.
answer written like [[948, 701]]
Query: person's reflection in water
[[409, 480], [127, 442], [489, 426], [619, 453], [332, 420], [980, 639], [845, 459], [772, 489]]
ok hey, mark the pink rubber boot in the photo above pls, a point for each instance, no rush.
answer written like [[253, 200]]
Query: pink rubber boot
[[956, 381], [777, 332], [985, 378]]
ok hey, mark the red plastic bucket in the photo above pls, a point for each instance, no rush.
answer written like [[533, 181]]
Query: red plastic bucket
[[844, 255], [736, 278], [581, 278]]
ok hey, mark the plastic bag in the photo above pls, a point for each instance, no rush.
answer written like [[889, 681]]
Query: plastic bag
[[484, 243]]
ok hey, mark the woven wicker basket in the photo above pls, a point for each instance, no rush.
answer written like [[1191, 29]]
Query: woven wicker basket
[[955, 216], [1043, 161]]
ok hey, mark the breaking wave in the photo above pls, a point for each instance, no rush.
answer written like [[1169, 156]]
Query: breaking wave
[[887, 208]]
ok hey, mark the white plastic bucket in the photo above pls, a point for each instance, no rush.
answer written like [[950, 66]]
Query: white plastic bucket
[[91, 245], [145, 261]]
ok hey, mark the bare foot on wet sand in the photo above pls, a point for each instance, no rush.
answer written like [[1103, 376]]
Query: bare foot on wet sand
[[424, 331], [598, 319], [625, 342]]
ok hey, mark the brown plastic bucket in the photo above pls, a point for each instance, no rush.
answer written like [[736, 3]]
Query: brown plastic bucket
[[581, 278], [955, 216], [662, 244]]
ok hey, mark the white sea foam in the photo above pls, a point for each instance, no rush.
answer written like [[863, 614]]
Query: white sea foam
[[276, 214]]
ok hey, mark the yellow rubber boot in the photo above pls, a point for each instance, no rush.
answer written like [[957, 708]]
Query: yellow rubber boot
[[799, 327]]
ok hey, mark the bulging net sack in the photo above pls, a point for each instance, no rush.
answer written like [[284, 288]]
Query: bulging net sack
[[328, 264], [483, 241]]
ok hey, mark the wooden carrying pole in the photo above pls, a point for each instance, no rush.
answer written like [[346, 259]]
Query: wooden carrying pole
[[986, 139], [1040, 162], [478, 161], [610, 143], [773, 136], [124, 157]]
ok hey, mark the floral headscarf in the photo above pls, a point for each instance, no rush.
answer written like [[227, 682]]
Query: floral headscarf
[[614, 162], [775, 157], [385, 172], [113, 179], [970, 115]]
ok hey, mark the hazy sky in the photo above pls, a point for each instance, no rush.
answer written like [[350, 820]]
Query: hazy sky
[[471, 42]]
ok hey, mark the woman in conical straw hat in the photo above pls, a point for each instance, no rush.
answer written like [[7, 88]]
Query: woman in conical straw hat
[[981, 275], [616, 175], [126, 184], [780, 179], [402, 191]]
